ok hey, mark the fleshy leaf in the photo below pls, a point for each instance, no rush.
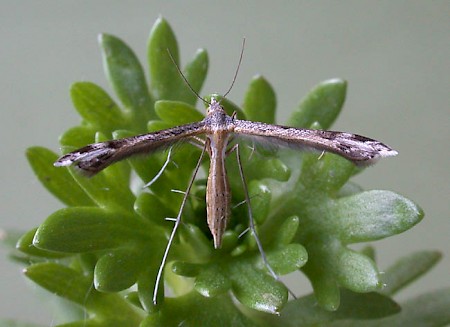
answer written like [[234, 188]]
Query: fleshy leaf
[[193, 309], [430, 309], [25, 245], [156, 125], [177, 113], [77, 137], [150, 207], [260, 196], [372, 215], [407, 269], [265, 167], [357, 272], [322, 104], [60, 280], [58, 181], [256, 289], [146, 285], [260, 101], [76, 287], [195, 73], [211, 282], [97, 107], [117, 270], [104, 189], [193, 240], [325, 172], [86, 229], [305, 312], [287, 259], [287, 231], [326, 289], [186, 269], [126, 76], [166, 81]]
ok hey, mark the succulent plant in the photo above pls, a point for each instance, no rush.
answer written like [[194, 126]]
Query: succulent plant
[[102, 252]]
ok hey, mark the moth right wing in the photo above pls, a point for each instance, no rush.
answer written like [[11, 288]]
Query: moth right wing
[[95, 157], [360, 150]]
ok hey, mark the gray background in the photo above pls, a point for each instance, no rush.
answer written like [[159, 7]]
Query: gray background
[[395, 56]]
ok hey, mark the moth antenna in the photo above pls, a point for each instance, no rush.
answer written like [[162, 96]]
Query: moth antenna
[[237, 69], [185, 79]]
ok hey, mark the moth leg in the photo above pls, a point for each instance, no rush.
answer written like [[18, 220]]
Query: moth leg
[[175, 227], [252, 227], [160, 172], [197, 142]]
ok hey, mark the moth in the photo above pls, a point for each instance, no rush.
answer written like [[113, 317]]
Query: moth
[[218, 128], [214, 134]]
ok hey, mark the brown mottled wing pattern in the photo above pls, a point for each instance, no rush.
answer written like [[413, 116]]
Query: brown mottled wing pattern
[[93, 158], [358, 149]]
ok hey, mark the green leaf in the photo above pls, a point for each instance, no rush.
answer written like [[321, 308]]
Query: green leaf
[[61, 280], [260, 196], [104, 189], [260, 101], [150, 207], [211, 282], [408, 269], [195, 73], [57, 181], [256, 289], [287, 231], [305, 312], [193, 309], [260, 167], [25, 245], [287, 259], [357, 272], [146, 285], [326, 289], [194, 243], [177, 113], [126, 76], [97, 107], [117, 270], [186, 269], [77, 137], [157, 125], [76, 287], [322, 104], [166, 80], [86, 229], [427, 310], [373, 215], [365, 306], [325, 172]]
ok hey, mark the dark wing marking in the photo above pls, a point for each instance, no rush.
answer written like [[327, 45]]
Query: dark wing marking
[[93, 158], [360, 150]]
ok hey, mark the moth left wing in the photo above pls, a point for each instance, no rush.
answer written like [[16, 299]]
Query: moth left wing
[[93, 158]]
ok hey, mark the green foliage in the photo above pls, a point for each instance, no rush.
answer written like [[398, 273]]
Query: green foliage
[[103, 251]]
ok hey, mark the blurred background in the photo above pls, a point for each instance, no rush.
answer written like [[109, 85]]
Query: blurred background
[[395, 56]]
